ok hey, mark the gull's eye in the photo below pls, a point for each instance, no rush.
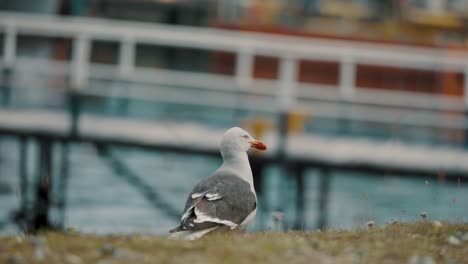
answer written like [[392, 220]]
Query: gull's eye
[[245, 136]]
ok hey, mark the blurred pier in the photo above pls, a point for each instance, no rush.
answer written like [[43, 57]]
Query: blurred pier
[[191, 139], [416, 134]]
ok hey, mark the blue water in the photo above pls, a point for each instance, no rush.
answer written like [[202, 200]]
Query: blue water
[[98, 201]]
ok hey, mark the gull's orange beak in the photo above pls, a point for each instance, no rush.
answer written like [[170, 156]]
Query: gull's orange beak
[[258, 144]]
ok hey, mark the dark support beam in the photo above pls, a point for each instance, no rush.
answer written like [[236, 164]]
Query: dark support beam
[[282, 160], [22, 216], [63, 184], [300, 198], [23, 172], [43, 187], [344, 124], [257, 172], [364, 168], [149, 192], [282, 137], [323, 198], [74, 111], [6, 86], [465, 132], [124, 101]]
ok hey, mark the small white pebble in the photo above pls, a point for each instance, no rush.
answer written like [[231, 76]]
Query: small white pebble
[[415, 259], [278, 216], [443, 251], [436, 224], [120, 254], [39, 254], [73, 259], [453, 241]]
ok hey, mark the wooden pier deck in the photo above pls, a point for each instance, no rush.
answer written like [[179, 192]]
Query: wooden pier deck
[[192, 138]]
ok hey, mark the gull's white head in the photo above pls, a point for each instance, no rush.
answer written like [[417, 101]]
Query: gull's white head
[[238, 140]]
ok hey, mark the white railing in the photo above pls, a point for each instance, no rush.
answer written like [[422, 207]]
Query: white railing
[[290, 93]]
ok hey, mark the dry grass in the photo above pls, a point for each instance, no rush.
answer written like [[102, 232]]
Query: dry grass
[[391, 244]]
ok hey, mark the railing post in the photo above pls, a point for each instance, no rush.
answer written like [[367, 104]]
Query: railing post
[[347, 77], [126, 67], [288, 80], [79, 78], [126, 57], [80, 61], [9, 58], [243, 75], [9, 46], [285, 99], [347, 86], [244, 67]]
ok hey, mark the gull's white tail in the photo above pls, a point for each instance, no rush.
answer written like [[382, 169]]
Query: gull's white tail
[[191, 235]]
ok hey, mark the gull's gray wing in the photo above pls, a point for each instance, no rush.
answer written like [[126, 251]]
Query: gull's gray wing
[[222, 199]]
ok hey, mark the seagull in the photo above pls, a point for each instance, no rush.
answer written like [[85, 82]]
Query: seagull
[[226, 199]]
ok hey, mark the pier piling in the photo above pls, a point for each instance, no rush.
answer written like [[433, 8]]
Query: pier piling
[[43, 187]]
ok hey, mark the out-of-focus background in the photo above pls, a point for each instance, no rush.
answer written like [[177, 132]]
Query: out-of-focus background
[[112, 110]]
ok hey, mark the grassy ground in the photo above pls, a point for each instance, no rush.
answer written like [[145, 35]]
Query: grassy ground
[[407, 243]]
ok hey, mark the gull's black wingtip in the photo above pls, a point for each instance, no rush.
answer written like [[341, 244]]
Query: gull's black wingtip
[[177, 229]]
